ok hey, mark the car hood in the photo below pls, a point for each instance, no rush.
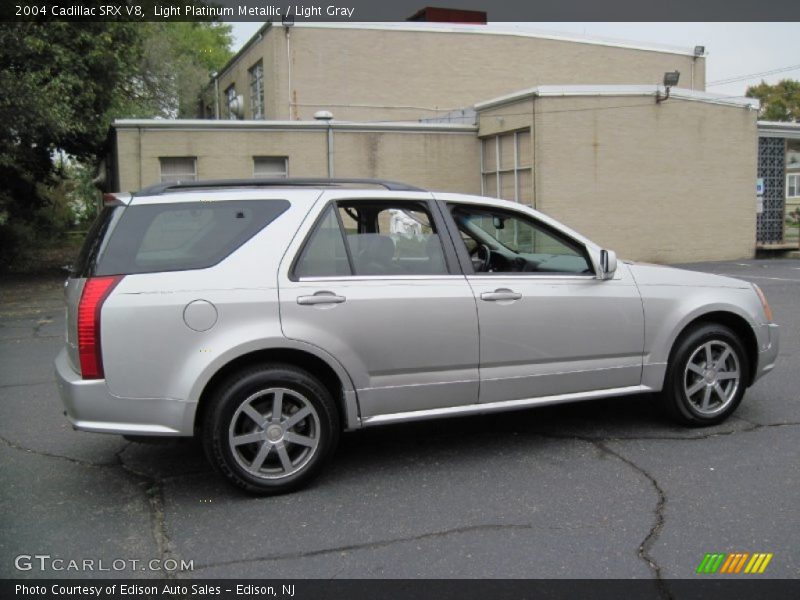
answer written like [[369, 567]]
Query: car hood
[[647, 274]]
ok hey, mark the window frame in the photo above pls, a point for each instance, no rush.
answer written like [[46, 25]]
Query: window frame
[[498, 171], [161, 168], [796, 177], [452, 263], [285, 166], [255, 76], [466, 261]]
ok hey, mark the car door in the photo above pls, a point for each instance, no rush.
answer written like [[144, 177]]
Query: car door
[[373, 283], [548, 326]]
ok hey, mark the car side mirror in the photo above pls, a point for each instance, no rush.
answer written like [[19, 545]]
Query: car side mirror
[[608, 264]]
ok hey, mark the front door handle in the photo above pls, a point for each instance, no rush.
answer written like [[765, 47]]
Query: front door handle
[[320, 298], [500, 294]]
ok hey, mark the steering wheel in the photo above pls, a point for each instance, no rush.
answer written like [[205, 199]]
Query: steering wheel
[[484, 258]]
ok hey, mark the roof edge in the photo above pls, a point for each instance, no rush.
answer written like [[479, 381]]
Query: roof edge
[[487, 30], [779, 129], [223, 124], [544, 91]]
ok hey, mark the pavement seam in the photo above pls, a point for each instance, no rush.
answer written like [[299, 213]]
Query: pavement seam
[[154, 492], [370, 545]]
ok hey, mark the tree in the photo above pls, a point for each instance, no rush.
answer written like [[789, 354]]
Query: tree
[[64, 83], [175, 60], [59, 82], [779, 102]]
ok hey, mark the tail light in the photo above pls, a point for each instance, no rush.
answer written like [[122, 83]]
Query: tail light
[[95, 292]]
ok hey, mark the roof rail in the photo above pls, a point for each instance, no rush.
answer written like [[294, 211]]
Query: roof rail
[[177, 186]]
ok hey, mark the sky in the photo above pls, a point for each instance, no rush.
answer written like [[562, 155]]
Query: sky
[[733, 49]]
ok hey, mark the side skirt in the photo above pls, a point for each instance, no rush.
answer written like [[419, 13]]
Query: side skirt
[[490, 407]]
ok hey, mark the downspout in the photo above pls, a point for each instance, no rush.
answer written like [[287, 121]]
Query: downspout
[[534, 143], [139, 131], [288, 31], [216, 96], [330, 150]]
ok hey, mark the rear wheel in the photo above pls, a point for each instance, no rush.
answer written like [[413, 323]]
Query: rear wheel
[[706, 377], [271, 429]]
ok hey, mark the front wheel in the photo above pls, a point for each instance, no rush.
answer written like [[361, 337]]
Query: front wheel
[[271, 429], [706, 377]]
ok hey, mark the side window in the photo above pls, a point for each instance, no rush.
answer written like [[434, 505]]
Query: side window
[[509, 242], [152, 238], [324, 254], [392, 238]]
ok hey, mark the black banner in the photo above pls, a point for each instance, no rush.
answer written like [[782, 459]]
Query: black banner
[[421, 589], [400, 10]]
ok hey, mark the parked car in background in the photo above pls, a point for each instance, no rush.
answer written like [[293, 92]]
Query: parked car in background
[[268, 316]]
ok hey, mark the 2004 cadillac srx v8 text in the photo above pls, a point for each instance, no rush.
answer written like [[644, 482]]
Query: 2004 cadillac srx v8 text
[[266, 316]]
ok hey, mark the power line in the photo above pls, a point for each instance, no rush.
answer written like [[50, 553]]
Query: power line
[[752, 75]]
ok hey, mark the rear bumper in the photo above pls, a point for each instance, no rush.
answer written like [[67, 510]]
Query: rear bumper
[[91, 407], [768, 346]]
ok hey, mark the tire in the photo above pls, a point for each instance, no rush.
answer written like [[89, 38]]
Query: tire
[[696, 395], [265, 454]]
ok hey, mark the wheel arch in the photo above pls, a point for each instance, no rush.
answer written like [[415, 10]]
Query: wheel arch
[[331, 374], [733, 321]]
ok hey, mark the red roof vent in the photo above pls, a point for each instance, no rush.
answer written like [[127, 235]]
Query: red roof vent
[[431, 14]]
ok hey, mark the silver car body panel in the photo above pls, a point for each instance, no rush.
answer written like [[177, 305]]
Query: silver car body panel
[[409, 343], [404, 348]]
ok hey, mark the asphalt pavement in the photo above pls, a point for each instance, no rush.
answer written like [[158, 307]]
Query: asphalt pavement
[[606, 489]]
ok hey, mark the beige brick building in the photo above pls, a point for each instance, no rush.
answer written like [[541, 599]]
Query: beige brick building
[[570, 127], [371, 71]]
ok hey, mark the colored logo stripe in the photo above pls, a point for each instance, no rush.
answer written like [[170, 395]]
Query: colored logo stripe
[[734, 563], [758, 563]]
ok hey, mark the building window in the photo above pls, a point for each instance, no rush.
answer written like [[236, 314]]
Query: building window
[[270, 167], [178, 168], [230, 102], [793, 185], [507, 166], [256, 73]]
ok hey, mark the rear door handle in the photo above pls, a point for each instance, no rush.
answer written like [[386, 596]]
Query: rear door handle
[[500, 294], [320, 298]]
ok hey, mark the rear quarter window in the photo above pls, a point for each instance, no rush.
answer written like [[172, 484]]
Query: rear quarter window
[[152, 238]]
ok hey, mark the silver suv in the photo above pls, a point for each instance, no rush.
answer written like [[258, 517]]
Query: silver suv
[[268, 316]]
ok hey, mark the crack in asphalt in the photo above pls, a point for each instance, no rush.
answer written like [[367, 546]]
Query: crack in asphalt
[[658, 522], [15, 385], [75, 461], [45, 320], [36, 337], [371, 545], [153, 488], [154, 492]]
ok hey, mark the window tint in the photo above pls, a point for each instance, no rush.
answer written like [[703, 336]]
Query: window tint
[[517, 243], [392, 239], [84, 263], [176, 237], [382, 237], [324, 254]]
